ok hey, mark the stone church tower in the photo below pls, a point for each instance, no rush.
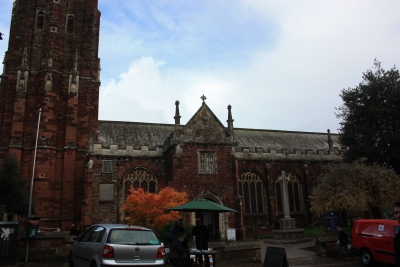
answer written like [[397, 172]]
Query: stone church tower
[[85, 167], [52, 65]]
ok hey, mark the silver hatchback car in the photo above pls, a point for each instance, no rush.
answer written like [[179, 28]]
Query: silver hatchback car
[[116, 245]]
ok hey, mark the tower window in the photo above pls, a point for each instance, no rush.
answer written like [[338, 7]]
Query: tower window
[[207, 162], [39, 20], [70, 23]]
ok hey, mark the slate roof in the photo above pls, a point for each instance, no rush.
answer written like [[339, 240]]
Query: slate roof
[[134, 133], [154, 134], [272, 139]]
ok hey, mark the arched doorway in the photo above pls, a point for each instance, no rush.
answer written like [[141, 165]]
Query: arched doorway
[[217, 223]]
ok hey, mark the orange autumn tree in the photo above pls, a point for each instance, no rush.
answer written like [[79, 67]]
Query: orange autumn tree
[[148, 209]]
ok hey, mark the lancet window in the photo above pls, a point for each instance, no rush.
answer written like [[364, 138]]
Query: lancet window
[[39, 19], [70, 23]]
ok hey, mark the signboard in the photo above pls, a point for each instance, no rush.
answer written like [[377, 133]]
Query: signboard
[[275, 257], [231, 234], [332, 220]]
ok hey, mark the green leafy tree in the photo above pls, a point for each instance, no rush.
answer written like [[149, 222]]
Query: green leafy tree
[[13, 196], [370, 126], [355, 186]]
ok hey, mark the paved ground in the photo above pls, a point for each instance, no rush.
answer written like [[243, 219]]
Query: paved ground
[[297, 256]]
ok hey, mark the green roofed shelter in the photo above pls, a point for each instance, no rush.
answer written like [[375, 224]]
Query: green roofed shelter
[[201, 205]]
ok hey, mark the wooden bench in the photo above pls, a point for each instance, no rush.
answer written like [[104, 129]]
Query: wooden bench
[[262, 230]]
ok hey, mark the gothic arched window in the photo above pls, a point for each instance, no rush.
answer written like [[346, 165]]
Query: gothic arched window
[[293, 191], [141, 178], [251, 190]]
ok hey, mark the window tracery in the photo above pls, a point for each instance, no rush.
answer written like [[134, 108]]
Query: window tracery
[[141, 178], [250, 188], [293, 191]]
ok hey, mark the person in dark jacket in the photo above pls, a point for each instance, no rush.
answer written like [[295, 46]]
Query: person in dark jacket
[[343, 242], [397, 236], [178, 255], [176, 230], [73, 231], [201, 235]]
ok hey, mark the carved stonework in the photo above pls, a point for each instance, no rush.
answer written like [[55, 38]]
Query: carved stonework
[[50, 57], [205, 127], [49, 83], [73, 86], [16, 141], [98, 72], [43, 141], [22, 80]]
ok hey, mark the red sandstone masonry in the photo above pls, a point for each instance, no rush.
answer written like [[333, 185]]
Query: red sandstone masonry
[[61, 190]]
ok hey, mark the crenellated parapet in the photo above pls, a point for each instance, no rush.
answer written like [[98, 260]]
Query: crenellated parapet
[[98, 149], [270, 154]]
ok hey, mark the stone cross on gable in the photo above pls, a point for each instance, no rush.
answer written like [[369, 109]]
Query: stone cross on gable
[[285, 206], [203, 97]]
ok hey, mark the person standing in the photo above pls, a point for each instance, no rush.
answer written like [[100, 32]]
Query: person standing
[[343, 242], [176, 230], [201, 235], [72, 231], [397, 236]]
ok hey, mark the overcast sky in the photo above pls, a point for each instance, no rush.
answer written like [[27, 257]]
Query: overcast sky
[[281, 65]]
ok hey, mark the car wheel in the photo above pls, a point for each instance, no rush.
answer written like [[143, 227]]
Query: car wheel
[[366, 257], [70, 260]]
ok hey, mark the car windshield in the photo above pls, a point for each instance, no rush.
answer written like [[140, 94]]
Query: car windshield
[[132, 237]]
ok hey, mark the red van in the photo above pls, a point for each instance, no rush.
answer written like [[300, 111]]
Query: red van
[[372, 239]]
